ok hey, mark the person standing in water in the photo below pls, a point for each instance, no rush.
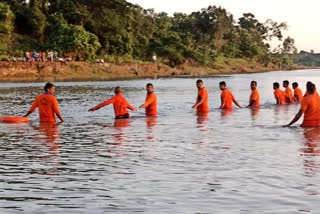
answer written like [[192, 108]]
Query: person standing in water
[[47, 105], [254, 100], [120, 104], [202, 98], [310, 107], [150, 104], [288, 91], [297, 93], [279, 95], [227, 97]]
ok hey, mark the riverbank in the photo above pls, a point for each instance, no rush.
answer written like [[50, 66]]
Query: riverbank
[[82, 71]]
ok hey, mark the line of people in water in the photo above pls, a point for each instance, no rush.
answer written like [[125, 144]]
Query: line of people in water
[[310, 102]]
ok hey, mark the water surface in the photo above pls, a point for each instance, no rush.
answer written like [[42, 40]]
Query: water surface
[[178, 162]]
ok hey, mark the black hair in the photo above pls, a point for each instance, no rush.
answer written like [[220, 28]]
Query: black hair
[[295, 84], [276, 84], [222, 83], [254, 82], [199, 80], [286, 82], [117, 90], [149, 84], [311, 87], [48, 86]]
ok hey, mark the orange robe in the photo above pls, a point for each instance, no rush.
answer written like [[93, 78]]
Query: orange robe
[[298, 92], [150, 104], [255, 96], [48, 107], [120, 105], [203, 94], [311, 108], [228, 98], [289, 94], [281, 95]]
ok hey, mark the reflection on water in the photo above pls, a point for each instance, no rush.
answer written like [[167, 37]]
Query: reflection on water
[[239, 161]]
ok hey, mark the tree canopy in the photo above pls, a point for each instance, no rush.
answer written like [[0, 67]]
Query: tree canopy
[[116, 29]]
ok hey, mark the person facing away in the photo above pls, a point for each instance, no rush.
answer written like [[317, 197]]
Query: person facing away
[[279, 94], [297, 93], [227, 97], [254, 100], [315, 92], [288, 91], [47, 105], [150, 104], [202, 98], [120, 104], [310, 107]]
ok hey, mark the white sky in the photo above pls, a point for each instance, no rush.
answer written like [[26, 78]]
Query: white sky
[[302, 17]]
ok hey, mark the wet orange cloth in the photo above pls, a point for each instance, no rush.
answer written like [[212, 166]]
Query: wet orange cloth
[[203, 94], [228, 98], [120, 105], [281, 95], [298, 92], [289, 94], [150, 104], [48, 106], [255, 96], [311, 108]]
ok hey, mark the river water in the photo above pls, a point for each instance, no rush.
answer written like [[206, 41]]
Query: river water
[[179, 162]]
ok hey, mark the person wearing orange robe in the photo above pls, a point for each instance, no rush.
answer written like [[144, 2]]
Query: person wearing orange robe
[[297, 93], [254, 100], [290, 97], [47, 105], [281, 96], [227, 97], [150, 104], [310, 107], [202, 98], [120, 104]]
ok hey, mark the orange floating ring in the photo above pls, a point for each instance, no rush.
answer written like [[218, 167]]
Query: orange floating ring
[[9, 119]]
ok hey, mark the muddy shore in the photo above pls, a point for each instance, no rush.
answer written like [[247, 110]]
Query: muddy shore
[[81, 71]]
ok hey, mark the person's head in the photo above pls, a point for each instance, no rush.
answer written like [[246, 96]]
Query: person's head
[[149, 87], [285, 83], [222, 85], [117, 90], [199, 84], [294, 85], [49, 87], [253, 85], [311, 87], [276, 85]]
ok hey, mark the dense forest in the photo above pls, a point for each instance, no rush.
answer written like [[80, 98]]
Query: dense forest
[[118, 31]]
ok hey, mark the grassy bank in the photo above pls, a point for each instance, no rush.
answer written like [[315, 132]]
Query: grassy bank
[[81, 71]]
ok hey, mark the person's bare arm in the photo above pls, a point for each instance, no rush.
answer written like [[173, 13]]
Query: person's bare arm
[[199, 103], [236, 102], [295, 119]]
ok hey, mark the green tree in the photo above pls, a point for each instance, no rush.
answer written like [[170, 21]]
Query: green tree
[[6, 28], [70, 39]]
